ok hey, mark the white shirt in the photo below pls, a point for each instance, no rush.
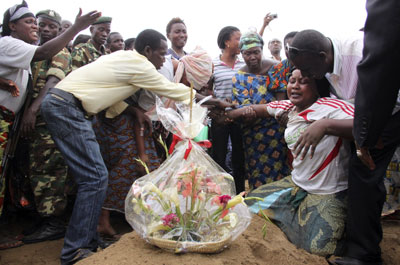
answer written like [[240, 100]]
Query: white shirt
[[167, 68], [347, 54], [15, 64], [327, 171]]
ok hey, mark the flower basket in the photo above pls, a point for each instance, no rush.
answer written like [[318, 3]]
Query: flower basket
[[188, 204], [194, 247]]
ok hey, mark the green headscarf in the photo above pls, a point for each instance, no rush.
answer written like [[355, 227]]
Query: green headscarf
[[249, 40]]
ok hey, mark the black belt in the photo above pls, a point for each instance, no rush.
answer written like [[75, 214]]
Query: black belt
[[64, 95]]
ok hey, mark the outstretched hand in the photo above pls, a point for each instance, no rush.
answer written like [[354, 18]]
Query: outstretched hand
[[219, 104], [219, 117], [84, 21], [223, 104], [248, 114]]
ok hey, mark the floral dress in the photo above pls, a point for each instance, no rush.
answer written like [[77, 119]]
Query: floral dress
[[263, 142]]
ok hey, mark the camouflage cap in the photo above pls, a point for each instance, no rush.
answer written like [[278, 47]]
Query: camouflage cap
[[102, 20], [50, 14]]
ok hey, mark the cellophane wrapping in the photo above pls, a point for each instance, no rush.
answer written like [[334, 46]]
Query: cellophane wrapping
[[189, 203]]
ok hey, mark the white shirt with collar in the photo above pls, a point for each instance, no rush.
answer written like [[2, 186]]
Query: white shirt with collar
[[347, 55]]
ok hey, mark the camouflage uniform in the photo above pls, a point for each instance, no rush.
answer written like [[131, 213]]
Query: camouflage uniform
[[85, 53], [6, 120], [48, 171]]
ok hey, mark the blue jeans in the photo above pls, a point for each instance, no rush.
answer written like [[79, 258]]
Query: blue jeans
[[74, 136]]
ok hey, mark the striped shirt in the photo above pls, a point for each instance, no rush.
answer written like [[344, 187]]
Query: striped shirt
[[347, 55], [326, 172], [223, 77]]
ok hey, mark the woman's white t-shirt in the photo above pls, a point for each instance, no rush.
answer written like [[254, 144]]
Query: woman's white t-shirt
[[15, 64], [327, 171]]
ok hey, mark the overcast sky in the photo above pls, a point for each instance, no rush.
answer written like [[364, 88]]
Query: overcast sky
[[204, 19]]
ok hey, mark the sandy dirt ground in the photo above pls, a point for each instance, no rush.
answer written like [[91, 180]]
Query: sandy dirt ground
[[249, 248]]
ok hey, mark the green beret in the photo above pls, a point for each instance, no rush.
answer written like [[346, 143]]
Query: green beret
[[102, 20], [50, 14]]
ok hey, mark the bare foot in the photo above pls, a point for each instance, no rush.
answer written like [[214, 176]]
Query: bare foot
[[104, 227], [106, 230]]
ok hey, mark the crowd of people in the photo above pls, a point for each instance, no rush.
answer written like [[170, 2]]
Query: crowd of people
[[312, 134]]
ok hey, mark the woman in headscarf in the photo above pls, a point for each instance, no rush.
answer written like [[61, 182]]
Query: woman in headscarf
[[17, 52], [261, 81]]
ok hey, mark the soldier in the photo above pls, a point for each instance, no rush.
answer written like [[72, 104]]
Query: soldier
[[88, 52], [48, 171]]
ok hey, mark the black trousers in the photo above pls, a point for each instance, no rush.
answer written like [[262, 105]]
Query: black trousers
[[220, 136], [366, 196]]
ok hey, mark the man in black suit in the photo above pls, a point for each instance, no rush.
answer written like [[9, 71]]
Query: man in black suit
[[376, 132]]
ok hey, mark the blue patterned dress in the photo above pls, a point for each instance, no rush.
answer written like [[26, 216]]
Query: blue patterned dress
[[263, 141]]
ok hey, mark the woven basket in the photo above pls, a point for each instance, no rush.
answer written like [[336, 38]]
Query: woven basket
[[194, 247]]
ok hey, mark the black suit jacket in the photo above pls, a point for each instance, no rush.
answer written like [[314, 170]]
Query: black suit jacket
[[378, 71]]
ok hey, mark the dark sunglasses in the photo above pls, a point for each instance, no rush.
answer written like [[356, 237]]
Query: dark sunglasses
[[295, 51]]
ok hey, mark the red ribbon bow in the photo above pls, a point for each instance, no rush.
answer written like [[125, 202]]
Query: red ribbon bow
[[176, 139]]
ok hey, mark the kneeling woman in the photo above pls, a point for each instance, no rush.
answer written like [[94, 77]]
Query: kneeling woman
[[310, 205]]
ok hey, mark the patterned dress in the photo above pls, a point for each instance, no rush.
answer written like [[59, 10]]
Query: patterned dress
[[118, 148], [313, 222], [264, 146]]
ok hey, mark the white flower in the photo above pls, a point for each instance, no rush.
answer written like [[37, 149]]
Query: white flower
[[171, 193], [232, 218], [150, 187], [136, 206]]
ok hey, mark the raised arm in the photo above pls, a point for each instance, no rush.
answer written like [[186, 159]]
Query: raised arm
[[268, 18], [52, 47]]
